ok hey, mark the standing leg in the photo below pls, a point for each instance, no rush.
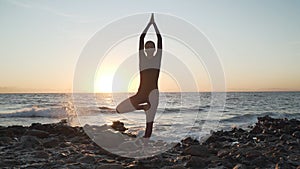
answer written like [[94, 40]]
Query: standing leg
[[150, 113]]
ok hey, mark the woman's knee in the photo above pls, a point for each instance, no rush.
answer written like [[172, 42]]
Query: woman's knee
[[118, 109]]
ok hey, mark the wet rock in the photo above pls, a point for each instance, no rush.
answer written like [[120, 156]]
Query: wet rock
[[240, 166], [269, 142], [196, 162], [189, 141], [110, 166], [87, 159], [283, 164], [51, 143], [64, 144], [118, 126], [197, 150], [5, 141], [252, 154], [30, 142], [7, 163], [41, 154], [222, 153], [63, 122], [14, 131], [259, 161], [178, 166], [296, 134], [285, 137], [37, 133], [66, 130]]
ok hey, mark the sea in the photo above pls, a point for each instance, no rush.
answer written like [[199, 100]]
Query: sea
[[179, 115]]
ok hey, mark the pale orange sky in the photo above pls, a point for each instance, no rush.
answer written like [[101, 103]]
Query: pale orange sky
[[258, 42]]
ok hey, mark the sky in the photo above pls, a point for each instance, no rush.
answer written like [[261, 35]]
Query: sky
[[258, 42]]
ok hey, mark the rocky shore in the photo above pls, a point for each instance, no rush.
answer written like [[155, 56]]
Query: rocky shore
[[270, 143]]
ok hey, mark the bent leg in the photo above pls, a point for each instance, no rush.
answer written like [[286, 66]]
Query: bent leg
[[130, 104], [125, 106]]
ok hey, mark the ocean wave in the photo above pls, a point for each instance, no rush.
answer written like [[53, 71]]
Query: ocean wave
[[37, 112], [185, 109], [105, 108], [253, 116]]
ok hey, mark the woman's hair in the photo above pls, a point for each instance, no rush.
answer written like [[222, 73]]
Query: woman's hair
[[149, 44]]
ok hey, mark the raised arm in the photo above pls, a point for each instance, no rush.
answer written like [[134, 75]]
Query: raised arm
[[159, 39], [142, 37]]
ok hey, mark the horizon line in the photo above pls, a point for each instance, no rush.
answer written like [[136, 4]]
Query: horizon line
[[231, 91]]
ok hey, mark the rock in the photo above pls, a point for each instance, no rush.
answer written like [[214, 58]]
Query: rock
[[197, 150], [37, 133], [63, 122], [196, 162], [108, 161], [5, 141], [276, 142], [259, 161], [87, 159], [227, 164], [240, 166], [65, 144], [30, 142], [296, 134], [283, 165], [51, 143], [41, 154], [110, 166], [223, 152], [66, 130], [189, 141], [8, 163], [12, 131], [285, 137], [253, 154], [178, 166], [118, 126]]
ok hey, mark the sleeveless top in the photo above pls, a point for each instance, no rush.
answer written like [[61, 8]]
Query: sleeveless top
[[149, 71]]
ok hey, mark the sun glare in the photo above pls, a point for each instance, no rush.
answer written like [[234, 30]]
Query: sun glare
[[104, 83], [134, 84]]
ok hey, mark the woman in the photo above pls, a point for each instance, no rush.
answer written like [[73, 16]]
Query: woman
[[148, 95]]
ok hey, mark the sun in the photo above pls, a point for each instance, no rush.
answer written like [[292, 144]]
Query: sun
[[103, 83]]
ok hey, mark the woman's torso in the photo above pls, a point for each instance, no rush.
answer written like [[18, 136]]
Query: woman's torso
[[149, 72]]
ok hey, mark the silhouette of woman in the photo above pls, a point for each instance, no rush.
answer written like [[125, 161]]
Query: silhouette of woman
[[147, 96]]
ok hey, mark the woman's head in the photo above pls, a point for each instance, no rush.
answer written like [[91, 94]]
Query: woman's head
[[150, 48]]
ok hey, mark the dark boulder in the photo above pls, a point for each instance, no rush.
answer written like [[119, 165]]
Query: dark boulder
[[118, 126]]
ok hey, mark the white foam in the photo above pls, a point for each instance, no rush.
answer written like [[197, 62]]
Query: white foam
[[37, 112]]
